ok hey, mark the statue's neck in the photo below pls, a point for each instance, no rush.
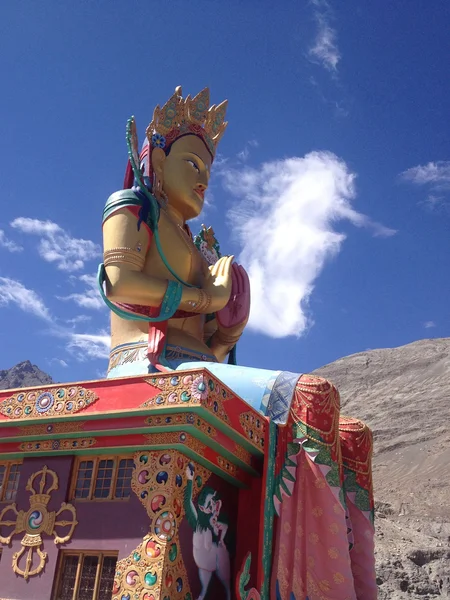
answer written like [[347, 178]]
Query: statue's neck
[[175, 215]]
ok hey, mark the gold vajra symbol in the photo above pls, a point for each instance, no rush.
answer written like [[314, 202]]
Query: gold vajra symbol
[[37, 520]]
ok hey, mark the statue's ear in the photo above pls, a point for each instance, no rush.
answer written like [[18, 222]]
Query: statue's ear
[[158, 158]]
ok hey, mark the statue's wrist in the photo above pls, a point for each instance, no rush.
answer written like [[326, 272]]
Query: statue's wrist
[[198, 301]]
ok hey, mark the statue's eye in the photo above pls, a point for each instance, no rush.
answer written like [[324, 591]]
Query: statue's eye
[[194, 165]]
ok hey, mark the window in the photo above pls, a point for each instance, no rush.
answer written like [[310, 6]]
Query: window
[[9, 481], [85, 576], [102, 478]]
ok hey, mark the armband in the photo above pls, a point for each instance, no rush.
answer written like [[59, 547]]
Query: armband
[[124, 255]]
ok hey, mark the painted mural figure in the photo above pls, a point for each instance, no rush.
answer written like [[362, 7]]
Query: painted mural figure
[[176, 303], [209, 548]]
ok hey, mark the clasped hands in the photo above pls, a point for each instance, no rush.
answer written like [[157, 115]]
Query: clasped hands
[[228, 286]]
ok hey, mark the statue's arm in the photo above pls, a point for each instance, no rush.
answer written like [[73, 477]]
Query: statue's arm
[[125, 250]]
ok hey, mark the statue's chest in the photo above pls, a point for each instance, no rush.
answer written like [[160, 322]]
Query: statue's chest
[[179, 252]]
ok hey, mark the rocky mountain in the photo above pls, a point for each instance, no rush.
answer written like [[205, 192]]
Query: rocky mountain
[[23, 375], [404, 395]]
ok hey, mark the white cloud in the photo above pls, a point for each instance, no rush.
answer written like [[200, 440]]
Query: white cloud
[[285, 224], [15, 293], [56, 245], [324, 50], [244, 154], [85, 346], [436, 177], [433, 172], [58, 361], [78, 319], [429, 324], [8, 244], [90, 298]]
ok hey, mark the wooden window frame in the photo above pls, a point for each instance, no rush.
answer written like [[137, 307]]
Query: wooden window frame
[[8, 464], [96, 460], [81, 554]]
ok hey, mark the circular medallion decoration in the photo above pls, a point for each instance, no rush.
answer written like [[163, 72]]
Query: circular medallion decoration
[[165, 526], [157, 502], [152, 549], [165, 459], [44, 402], [150, 578], [143, 476], [131, 578], [35, 519], [161, 477]]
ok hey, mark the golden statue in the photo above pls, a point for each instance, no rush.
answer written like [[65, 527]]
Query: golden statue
[[176, 160], [177, 303]]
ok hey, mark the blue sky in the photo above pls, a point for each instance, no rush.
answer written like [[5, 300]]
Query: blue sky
[[332, 185]]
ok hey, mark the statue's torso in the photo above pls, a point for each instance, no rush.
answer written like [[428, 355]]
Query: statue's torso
[[188, 263]]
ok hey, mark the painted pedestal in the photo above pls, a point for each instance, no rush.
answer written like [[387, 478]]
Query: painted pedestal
[[196, 506]]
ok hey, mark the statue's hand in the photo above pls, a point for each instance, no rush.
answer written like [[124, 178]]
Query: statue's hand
[[232, 319], [219, 282]]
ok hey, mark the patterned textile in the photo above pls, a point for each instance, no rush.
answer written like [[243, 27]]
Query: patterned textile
[[132, 359], [324, 532]]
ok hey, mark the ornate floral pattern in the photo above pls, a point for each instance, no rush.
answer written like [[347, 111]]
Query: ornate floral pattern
[[55, 445], [155, 569], [54, 402], [191, 388]]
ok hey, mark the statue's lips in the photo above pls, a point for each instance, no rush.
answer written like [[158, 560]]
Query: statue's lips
[[200, 193]]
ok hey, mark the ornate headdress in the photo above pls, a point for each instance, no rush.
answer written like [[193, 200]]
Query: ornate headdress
[[182, 116]]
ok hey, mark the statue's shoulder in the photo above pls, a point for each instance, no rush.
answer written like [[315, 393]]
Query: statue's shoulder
[[119, 200]]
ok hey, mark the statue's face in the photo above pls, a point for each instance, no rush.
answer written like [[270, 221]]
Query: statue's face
[[185, 175]]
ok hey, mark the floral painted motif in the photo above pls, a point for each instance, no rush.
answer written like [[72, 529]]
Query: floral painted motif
[[48, 402], [158, 140]]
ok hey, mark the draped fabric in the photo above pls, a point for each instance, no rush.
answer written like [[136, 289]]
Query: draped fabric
[[324, 532]]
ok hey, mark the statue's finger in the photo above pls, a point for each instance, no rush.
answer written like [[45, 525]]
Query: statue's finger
[[225, 266]]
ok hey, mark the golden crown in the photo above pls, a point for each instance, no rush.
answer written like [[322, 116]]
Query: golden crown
[[180, 116]]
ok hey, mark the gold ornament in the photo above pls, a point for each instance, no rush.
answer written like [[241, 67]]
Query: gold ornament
[[180, 116], [37, 520], [48, 402]]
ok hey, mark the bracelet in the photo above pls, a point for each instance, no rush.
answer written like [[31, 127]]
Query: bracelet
[[171, 299], [203, 302]]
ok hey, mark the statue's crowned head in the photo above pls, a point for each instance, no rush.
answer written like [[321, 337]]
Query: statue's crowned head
[[181, 143]]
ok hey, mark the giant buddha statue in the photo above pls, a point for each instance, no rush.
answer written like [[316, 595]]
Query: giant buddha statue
[[177, 303]]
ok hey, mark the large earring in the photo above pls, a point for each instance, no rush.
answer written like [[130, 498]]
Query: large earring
[[159, 193]]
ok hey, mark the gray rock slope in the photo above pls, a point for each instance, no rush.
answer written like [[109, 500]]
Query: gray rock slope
[[403, 394], [23, 375]]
